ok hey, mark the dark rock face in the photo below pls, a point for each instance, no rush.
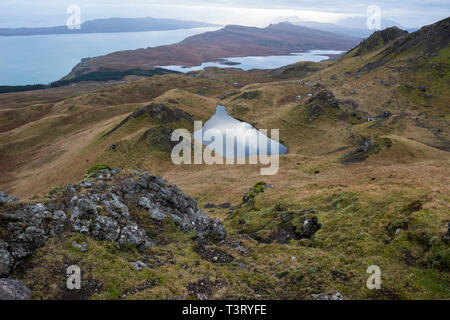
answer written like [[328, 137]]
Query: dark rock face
[[285, 234], [158, 112], [101, 210], [6, 260], [210, 205], [13, 290], [4, 198], [366, 148], [225, 205], [310, 227], [325, 98], [320, 103], [160, 138], [165, 115], [379, 39], [314, 111], [359, 154], [424, 43]]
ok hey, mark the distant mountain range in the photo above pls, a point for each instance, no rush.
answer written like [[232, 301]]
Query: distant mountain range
[[353, 26], [231, 41], [110, 25]]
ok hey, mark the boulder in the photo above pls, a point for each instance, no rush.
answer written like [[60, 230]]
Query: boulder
[[139, 265], [310, 227], [86, 184], [86, 209], [159, 112], [11, 289], [145, 203], [6, 260], [133, 235], [106, 228], [4, 198], [333, 295]]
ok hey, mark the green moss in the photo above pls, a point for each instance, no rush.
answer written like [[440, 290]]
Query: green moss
[[439, 257], [97, 168], [259, 187], [433, 281], [56, 190]]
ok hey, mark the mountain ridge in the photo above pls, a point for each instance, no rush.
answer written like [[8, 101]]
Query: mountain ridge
[[352, 27], [110, 25], [231, 41]]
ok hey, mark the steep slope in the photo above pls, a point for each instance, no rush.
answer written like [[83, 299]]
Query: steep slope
[[231, 41], [427, 42], [377, 40]]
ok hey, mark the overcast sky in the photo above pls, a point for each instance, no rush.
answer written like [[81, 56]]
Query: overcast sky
[[409, 13]]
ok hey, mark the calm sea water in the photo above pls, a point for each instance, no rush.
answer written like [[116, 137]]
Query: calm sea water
[[47, 58], [269, 62]]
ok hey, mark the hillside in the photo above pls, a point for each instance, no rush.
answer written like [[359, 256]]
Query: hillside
[[231, 41], [108, 26], [364, 181], [377, 40]]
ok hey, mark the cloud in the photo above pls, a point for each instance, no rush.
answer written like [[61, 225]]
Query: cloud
[[248, 12]]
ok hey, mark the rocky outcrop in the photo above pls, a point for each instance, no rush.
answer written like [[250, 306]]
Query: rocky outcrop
[[379, 39], [366, 148], [13, 290], [100, 208], [422, 44], [320, 104], [281, 224], [6, 260], [360, 154], [159, 112], [310, 227], [160, 138], [4, 198]]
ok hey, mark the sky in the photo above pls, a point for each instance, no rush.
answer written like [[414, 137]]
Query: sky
[[408, 13]]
